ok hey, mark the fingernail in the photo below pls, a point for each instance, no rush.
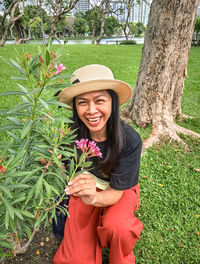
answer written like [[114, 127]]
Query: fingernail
[[67, 191], [69, 183]]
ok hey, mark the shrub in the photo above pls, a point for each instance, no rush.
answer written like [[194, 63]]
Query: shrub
[[128, 42]]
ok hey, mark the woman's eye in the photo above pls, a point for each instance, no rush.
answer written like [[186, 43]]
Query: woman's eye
[[82, 103], [100, 101]]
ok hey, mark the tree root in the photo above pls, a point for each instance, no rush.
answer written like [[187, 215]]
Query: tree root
[[170, 130], [17, 248]]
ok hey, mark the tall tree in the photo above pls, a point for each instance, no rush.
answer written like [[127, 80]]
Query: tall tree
[[12, 7], [59, 8], [157, 95], [104, 9]]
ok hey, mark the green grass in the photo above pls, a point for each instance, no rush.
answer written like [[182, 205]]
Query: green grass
[[169, 183]]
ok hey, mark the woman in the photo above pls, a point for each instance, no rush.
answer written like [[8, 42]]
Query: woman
[[102, 217]]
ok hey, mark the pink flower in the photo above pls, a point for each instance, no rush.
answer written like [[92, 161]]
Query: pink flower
[[89, 148], [59, 68], [82, 144]]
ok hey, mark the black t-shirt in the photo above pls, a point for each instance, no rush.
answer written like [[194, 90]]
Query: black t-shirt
[[125, 174]]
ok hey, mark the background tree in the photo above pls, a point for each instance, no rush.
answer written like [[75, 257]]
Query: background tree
[[80, 26], [93, 18], [140, 28], [70, 25], [157, 95], [126, 25], [111, 26], [59, 9], [11, 8], [36, 20], [104, 8], [197, 30]]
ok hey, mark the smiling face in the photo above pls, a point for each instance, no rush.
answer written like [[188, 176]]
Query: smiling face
[[94, 110]]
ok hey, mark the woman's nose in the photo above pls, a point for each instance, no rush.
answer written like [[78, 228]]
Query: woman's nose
[[91, 108]]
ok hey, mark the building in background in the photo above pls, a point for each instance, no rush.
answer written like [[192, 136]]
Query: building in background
[[198, 10], [81, 6], [2, 9], [138, 12]]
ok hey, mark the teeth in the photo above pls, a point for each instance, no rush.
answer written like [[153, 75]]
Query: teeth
[[94, 119]]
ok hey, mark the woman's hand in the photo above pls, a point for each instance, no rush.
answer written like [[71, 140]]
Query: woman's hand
[[83, 186]]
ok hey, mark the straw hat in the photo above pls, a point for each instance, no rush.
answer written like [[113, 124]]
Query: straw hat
[[91, 78]]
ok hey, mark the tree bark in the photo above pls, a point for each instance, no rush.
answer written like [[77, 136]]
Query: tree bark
[[59, 12], [105, 9], [12, 20], [157, 95]]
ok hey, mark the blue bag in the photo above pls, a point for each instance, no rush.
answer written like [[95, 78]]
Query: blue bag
[[58, 229]]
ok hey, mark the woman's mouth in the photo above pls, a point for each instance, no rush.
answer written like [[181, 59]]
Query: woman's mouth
[[94, 121]]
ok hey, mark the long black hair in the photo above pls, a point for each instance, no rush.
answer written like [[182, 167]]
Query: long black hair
[[114, 135]]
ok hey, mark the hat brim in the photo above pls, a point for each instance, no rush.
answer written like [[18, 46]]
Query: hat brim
[[122, 89]]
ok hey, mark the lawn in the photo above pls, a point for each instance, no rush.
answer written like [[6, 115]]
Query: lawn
[[169, 175]]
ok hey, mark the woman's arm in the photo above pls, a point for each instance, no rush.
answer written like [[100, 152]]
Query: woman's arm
[[84, 186]]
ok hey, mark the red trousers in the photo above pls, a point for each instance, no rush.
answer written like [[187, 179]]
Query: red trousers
[[89, 229]]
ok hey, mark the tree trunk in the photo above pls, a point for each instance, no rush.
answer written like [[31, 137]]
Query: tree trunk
[[105, 10], [12, 20], [93, 30], [60, 10], [157, 95]]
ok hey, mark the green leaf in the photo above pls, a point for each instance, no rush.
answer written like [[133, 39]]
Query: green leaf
[[44, 103], [18, 78], [38, 186], [39, 220], [27, 101], [18, 214], [3, 236], [75, 153], [10, 209], [49, 44], [85, 164], [6, 191], [54, 190], [71, 167], [27, 213], [4, 111], [20, 107], [19, 199], [64, 76], [15, 120], [54, 102], [9, 127], [42, 151], [30, 195], [57, 86], [14, 186], [47, 57], [56, 160], [15, 137], [27, 127], [48, 189], [24, 161], [13, 93], [16, 65], [27, 230], [15, 160], [5, 244], [7, 218]]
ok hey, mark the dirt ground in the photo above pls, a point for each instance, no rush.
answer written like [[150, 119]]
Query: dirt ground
[[41, 250]]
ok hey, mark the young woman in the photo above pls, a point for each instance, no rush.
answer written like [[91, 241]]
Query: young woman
[[102, 202]]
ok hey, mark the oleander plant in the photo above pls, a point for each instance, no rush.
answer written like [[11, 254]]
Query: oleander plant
[[32, 171]]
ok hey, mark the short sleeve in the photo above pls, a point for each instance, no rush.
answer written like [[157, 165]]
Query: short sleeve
[[125, 174]]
